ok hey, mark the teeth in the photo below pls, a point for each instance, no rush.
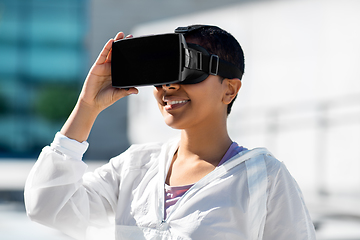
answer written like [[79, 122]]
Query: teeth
[[177, 102]]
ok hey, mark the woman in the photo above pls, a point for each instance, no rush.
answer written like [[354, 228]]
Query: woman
[[201, 186]]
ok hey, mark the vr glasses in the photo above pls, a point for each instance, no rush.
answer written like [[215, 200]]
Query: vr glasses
[[164, 59]]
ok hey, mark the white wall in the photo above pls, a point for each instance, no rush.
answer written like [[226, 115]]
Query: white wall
[[301, 57]]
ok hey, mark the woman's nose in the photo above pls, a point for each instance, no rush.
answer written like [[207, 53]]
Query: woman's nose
[[171, 86]]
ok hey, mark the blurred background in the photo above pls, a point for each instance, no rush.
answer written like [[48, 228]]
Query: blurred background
[[300, 96]]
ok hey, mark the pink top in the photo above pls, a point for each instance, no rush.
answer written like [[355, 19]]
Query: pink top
[[174, 193]]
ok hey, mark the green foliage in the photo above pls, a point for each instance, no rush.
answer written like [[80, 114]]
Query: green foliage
[[55, 102]]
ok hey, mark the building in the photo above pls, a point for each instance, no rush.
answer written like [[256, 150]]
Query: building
[[46, 50], [42, 55]]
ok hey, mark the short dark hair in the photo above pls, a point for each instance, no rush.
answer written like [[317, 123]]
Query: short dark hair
[[218, 41]]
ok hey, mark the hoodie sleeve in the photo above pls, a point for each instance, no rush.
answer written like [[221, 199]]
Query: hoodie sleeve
[[56, 193], [287, 215]]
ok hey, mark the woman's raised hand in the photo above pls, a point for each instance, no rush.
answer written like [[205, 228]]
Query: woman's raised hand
[[96, 95], [97, 91]]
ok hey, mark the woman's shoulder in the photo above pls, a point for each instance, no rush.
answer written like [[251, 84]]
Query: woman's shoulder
[[140, 154], [152, 147], [277, 174], [273, 165]]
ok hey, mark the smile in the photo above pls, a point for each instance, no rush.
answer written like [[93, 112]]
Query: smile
[[171, 105], [176, 102]]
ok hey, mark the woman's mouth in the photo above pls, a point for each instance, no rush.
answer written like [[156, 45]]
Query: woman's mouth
[[171, 105]]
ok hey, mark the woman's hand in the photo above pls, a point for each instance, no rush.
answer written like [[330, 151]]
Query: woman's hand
[[97, 91], [96, 95]]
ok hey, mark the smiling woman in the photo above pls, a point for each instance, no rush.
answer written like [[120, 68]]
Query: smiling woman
[[201, 186]]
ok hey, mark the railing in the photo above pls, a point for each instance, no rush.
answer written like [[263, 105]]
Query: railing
[[320, 126]]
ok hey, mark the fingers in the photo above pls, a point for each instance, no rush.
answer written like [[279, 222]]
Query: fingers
[[104, 53], [120, 93], [119, 36], [132, 91]]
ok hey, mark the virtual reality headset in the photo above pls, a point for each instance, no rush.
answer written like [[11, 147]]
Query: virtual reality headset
[[164, 59]]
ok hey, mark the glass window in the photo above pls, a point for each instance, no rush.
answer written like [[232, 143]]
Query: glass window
[[54, 63], [8, 59], [42, 59]]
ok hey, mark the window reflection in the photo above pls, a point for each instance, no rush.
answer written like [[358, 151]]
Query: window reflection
[[42, 58]]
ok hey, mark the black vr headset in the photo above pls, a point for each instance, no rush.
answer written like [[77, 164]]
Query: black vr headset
[[165, 59]]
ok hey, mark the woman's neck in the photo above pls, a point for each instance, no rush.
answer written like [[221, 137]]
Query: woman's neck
[[199, 153], [204, 144]]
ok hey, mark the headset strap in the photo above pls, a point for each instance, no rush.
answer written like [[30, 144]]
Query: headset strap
[[211, 63], [185, 30]]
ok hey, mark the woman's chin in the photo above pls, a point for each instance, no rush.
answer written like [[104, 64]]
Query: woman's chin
[[171, 122]]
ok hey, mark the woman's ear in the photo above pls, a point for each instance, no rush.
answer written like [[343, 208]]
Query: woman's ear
[[232, 88]]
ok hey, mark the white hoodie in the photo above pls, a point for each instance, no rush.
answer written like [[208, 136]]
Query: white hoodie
[[252, 196]]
